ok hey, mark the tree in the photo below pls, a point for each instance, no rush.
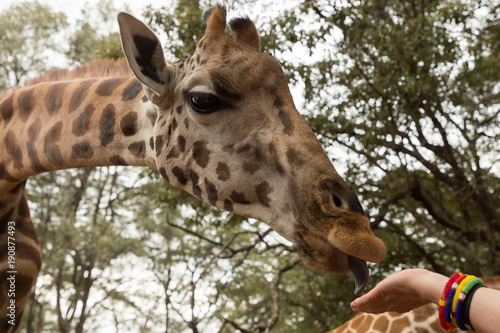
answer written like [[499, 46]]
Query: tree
[[94, 37], [416, 105], [28, 35], [83, 234]]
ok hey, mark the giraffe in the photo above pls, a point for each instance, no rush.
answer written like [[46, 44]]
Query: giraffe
[[220, 124], [424, 319]]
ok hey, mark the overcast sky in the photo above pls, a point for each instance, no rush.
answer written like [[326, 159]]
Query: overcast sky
[[73, 8]]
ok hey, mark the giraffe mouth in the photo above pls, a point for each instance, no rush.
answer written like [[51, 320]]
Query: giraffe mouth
[[359, 269], [318, 253]]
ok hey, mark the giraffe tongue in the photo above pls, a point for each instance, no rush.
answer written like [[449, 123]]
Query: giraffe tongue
[[361, 274]]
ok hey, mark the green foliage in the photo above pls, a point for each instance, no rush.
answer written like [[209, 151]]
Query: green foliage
[[182, 23], [92, 38], [82, 231], [416, 87], [27, 31]]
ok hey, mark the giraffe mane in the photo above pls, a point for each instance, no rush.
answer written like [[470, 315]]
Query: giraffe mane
[[99, 68], [95, 69]]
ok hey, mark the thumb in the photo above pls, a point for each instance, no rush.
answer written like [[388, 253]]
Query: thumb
[[354, 305], [358, 303]]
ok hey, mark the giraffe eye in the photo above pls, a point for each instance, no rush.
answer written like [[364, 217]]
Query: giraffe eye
[[204, 102]]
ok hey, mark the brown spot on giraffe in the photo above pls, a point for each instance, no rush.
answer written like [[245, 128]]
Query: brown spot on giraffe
[[275, 157], [82, 150], [223, 171], [173, 153], [179, 174], [228, 205], [251, 167], [181, 143], [51, 147], [128, 124], [34, 130], [163, 173], [211, 191], [138, 149], [33, 133], [195, 179], [13, 149], [201, 154], [294, 158], [26, 104], [53, 101], [263, 190], [107, 125], [287, 123], [381, 324], [151, 116], [131, 91], [399, 324], [117, 160], [158, 144], [174, 124], [7, 108], [278, 102], [79, 95], [106, 87], [239, 197], [81, 125]]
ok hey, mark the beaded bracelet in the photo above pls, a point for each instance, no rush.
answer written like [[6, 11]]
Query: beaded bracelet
[[461, 298], [444, 300], [449, 304], [459, 290]]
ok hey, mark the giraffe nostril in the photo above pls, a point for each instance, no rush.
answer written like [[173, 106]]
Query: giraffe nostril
[[337, 201]]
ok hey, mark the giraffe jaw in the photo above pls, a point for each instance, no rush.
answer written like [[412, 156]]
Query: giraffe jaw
[[361, 274]]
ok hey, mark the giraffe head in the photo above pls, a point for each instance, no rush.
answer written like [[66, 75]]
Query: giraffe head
[[227, 131]]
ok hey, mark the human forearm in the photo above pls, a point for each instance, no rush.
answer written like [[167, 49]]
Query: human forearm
[[485, 310]]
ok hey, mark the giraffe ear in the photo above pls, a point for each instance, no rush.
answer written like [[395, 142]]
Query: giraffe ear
[[245, 33], [144, 53]]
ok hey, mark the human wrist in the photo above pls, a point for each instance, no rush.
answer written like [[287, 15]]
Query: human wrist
[[430, 285]]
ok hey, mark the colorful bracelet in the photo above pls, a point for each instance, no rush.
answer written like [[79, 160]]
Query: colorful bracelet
[[449, 302], [459, 290], [458, 313], [444, 299]]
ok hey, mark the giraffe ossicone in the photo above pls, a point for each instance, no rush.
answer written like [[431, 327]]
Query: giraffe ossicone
[[221, 125]]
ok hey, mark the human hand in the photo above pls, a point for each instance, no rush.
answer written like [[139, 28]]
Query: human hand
[[402, 292]]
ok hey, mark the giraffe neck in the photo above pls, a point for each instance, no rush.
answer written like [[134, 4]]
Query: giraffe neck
[[60, 125]]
